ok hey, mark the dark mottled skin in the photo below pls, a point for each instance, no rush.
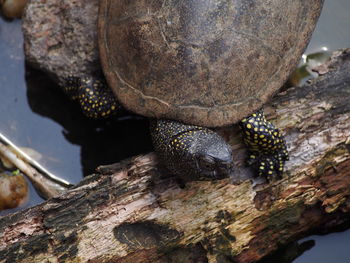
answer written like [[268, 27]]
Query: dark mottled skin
[[266, 145], [190, 151], [94, 96]]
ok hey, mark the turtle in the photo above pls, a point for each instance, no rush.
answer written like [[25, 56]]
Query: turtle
[[192, 65]]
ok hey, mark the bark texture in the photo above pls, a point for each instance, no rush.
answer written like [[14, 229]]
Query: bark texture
[[128, 213]]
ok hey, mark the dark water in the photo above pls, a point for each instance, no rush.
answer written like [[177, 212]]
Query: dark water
[[35, 114], [329, 248]]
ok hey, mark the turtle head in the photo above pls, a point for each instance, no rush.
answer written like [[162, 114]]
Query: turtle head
[[211, 156], [191, 152]]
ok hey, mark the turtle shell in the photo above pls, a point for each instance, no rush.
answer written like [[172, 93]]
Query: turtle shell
[[203, 62]]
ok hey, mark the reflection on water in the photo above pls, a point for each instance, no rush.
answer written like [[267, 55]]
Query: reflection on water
[[290, 252], [329, 248], [35, 114], [13, 104], [100, 142]]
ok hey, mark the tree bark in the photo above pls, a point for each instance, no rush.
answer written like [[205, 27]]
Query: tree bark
[[128, 212]]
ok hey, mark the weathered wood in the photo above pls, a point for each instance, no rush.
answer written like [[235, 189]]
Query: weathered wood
[[127, 213]]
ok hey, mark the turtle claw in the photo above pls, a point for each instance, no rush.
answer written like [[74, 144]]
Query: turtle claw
[[266, 145], [95, 98]]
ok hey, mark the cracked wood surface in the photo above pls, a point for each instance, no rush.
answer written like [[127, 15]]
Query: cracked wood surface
[[127, 213]]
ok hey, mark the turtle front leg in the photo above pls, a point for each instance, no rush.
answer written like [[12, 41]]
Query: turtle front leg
[[191, 152], [95, 98], [266, 145]]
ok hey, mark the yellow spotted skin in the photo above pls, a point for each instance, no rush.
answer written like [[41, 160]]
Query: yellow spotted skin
[[95, 98], [191, 152], [266, 145]]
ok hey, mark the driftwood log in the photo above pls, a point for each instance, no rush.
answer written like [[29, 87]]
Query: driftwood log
[[128, 213]]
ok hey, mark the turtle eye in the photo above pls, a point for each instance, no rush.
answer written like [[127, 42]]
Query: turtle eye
[[207, 162]]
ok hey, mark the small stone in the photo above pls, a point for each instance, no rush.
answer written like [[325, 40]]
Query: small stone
[[13, 190]]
